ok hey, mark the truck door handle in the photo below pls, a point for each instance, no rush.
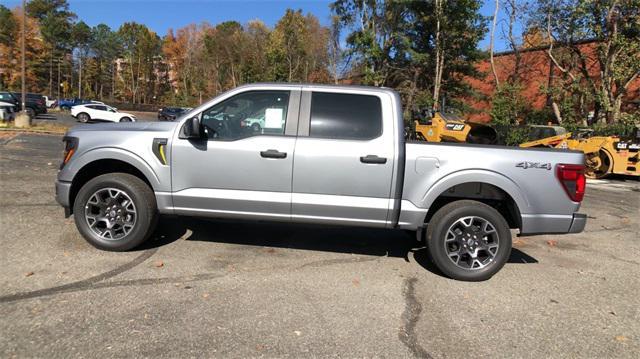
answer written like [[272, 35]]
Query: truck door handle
[[273, 154], [373, 159]]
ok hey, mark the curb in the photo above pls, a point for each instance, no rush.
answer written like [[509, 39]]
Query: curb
[[37, 132]]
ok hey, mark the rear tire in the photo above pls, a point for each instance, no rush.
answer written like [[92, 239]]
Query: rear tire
[[115, 211], [468, 240], [31, 112]]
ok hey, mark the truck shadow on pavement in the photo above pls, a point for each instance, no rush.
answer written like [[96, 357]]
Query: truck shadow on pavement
[[335, 239]]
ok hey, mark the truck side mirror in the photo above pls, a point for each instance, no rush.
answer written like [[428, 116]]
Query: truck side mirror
[[193, 129]]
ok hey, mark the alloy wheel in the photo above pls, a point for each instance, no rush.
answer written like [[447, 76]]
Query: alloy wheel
[[472, 243], [110, 213]]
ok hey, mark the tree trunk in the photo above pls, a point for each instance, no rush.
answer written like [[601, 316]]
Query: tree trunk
[[80, 77], [491, 39], [51, 74], [439, 55], [556, 112]]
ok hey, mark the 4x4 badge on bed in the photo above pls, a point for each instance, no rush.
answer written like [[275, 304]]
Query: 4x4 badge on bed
[[525, 165]]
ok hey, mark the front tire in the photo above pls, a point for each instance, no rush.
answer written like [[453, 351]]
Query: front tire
[[115, 211], [468, 240], [125, 119]]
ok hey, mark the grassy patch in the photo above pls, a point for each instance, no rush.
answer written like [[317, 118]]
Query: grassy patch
[[40, 127]]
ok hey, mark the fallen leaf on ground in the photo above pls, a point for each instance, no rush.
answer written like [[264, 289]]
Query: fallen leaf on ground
[[270, 250], [518, 243], [159, 264], [29, 274], [205, 295], [297, 332], [552, 243], [356, 282], [621, 338]]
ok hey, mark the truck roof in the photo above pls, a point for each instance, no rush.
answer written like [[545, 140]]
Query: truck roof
[[313, 85]]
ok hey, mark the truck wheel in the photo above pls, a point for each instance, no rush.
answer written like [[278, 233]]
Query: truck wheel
[[468, 240], [31, 112], [115, 211]]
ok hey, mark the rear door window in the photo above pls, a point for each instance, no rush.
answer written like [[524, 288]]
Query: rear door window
[[345, 116]]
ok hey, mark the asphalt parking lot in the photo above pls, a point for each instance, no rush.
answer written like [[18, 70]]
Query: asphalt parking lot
[[233, 289]]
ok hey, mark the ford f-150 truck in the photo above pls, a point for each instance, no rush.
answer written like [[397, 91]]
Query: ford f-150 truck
[[324, 154]]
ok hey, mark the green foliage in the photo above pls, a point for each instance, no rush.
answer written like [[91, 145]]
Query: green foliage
[[508, 106], [55, 21], [622, 128], [8, 25], [391, 43], [539, 117]]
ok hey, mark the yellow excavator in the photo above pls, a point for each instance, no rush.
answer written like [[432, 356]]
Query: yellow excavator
[[604, 154], [450, 128]]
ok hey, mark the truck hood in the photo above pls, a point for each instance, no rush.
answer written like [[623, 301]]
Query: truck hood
[[127, 127]]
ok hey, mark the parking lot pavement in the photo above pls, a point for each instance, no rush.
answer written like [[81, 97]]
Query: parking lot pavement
[[233, 289]]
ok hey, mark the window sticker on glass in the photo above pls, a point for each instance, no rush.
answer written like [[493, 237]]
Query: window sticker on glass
[[273, 118]]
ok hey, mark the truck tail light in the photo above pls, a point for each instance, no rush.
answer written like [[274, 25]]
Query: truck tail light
[[70, 146], [573, 180]]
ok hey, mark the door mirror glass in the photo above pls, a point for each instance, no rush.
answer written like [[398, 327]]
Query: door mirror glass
[[193, 129]]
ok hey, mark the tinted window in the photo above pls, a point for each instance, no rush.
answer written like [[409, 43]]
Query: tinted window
[[345, 116], [7, 97], [247, 114]]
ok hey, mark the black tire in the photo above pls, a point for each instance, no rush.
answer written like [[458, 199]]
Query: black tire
[[84, 117], [125, 119], [255, 127], [144, 202], [65, 108], [31, 112], [450, 216]]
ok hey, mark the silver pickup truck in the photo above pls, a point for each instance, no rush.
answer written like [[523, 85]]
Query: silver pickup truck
[[322, 154]]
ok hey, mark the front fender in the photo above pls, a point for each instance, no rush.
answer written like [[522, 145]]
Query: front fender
[[476, 175], [74, 166]]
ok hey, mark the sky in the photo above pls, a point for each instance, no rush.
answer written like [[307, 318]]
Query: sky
[[161, 15]]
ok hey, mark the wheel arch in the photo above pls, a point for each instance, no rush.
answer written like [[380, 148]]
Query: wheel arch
[[94, 166], [487, 187]]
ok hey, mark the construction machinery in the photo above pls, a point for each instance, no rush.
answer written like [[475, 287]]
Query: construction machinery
[[450, 128], [604, 154]]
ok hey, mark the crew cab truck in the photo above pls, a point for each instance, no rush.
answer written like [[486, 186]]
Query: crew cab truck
[[328, 155]]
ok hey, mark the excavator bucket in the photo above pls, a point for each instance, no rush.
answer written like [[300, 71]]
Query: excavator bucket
[[481, 133]]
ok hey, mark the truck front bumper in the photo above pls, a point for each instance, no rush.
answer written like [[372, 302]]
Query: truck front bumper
[[533, 224], [63, 189]]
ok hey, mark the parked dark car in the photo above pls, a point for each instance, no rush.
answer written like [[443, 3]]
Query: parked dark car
[[171, 113], [67, 104], [35, 103]]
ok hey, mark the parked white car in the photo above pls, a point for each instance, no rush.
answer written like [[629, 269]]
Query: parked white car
[[49, 102], [7, 111], [100, 112]]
